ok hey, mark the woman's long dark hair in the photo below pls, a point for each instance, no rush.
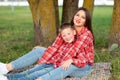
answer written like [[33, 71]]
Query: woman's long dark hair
[[88, 22]]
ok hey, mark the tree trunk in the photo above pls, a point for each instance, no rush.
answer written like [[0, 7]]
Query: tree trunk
[[89, 4], [115, 27], [69, 7], [45, 20], [57, 15]]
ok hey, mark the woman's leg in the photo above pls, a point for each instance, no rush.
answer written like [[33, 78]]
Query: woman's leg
[[31, 74], [59, 73], [80, 72], [26, 60]]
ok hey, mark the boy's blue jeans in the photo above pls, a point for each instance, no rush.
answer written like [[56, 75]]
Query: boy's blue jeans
[[33, 56]]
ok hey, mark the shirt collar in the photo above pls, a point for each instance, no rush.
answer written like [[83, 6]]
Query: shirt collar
[[84, 29]]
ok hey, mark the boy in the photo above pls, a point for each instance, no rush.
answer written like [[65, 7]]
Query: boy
[[55, 54], [68, 32]]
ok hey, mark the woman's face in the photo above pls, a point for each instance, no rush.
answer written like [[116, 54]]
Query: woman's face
[[79, 19]]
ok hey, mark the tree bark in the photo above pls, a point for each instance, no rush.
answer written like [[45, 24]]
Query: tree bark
[[89, 4], [69, 8], [57, 16], [115, 27], [45, 20]]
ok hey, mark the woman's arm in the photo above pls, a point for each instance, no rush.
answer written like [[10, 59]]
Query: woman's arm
[[85, 50]]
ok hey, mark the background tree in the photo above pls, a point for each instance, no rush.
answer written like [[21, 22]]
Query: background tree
[[45, 20], [115, 27], [89, 4], [69, 7], [57, 15]]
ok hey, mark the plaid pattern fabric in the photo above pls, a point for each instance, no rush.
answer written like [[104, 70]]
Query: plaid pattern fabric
[[101, 71], [81, 51]]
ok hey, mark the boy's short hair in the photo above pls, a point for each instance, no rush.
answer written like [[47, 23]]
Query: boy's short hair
[[65, 25]]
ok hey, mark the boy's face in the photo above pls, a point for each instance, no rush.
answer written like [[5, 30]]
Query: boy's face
[[68, 34]]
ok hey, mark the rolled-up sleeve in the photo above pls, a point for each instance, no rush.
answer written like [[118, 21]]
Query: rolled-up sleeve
[[51, 50]]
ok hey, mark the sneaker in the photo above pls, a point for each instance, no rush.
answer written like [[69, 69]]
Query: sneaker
[[2, 77], [3, 69]]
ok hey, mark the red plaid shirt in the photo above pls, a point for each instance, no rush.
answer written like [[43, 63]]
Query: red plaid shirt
[[81, 51]]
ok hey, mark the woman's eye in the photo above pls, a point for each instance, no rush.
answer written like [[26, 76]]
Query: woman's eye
[[77, 14], [83, 17]]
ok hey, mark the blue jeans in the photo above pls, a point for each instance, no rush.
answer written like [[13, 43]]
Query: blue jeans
[[28, 59], [59, 73], [31, 74], [33, 56], [47, 72]]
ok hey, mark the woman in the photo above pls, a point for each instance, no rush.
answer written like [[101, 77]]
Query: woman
[[77, 65]]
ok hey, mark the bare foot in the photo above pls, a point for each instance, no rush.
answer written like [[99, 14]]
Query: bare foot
[[9, 67]]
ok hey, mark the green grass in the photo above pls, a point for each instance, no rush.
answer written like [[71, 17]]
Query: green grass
[[102, 18], [16, 32], [16, 35]]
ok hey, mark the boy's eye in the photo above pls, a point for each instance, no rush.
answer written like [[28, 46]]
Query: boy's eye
[[63, 35], [68, 33]]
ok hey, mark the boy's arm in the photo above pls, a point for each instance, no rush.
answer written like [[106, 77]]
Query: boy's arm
[[51, 50]]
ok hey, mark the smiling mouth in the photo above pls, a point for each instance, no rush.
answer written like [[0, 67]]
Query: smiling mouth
[[77, 21]]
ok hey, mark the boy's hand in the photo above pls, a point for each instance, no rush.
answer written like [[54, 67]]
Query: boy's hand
[[65, 65]]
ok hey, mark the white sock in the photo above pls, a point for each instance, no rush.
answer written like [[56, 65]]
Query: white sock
[[3, 69], [2, 77]]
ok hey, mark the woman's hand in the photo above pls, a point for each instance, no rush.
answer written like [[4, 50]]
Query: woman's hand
[[36, 47], [65, 65]]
